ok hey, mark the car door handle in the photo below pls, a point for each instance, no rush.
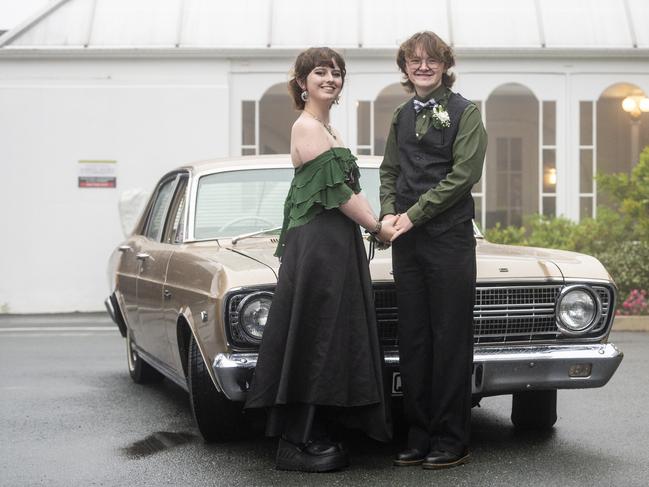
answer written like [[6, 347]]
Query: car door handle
[[142, 256], [124, 248]]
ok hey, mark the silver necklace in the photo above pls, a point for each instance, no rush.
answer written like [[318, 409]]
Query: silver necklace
[[325, 125]]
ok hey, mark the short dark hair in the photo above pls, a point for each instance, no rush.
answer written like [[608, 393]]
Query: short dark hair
[[305, 62], [435, 47]]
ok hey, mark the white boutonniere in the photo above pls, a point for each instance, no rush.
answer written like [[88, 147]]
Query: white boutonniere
[[440, 117]]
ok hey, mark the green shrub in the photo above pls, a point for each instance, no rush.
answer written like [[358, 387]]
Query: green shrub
[[596, 236], [628, 263], [630, 195], [537, 231], [509, 235], [553, 233]]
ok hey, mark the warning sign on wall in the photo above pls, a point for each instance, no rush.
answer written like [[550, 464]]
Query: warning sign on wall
[[97, 174]]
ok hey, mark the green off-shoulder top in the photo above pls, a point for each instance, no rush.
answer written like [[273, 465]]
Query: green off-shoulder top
[[320, 184]]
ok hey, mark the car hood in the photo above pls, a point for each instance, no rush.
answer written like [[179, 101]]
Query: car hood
[[261, 252], [495, 262]]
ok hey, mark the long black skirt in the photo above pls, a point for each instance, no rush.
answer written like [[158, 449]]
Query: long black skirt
[[320, 345]]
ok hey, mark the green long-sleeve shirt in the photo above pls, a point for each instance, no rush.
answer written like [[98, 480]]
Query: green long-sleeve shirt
[[469, 150]]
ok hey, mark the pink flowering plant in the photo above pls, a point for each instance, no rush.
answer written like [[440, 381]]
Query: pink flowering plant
[[635, 304]]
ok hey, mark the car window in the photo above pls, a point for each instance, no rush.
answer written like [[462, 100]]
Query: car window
[[174, 228], [237, 202], [155, 221]]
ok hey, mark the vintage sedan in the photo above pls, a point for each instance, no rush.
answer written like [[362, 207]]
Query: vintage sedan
[[191, 287]]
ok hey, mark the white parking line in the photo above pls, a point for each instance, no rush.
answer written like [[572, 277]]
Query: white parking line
[[52, 335], [57, 329]]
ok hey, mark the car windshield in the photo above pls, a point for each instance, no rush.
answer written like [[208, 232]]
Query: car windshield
[[237, 202]]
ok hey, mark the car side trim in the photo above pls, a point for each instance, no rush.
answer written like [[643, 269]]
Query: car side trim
[[164, 369]]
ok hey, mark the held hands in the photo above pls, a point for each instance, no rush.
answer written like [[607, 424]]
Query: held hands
[[392, 226], [401, 226], [397, 225], [387, 230], [382, 234]]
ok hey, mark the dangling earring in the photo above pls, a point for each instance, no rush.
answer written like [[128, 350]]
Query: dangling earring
[[304, 95], [337, 100]]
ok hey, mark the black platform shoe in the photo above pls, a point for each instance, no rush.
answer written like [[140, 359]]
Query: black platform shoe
[[410, 457], [314, 456]]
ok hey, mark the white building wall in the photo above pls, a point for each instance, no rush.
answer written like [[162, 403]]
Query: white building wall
[[152, 114], [148, 115]]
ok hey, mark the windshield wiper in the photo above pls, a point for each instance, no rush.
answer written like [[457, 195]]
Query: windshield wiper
[[252, 234]]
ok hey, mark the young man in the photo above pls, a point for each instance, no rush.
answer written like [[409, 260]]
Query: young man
[[433, 157]]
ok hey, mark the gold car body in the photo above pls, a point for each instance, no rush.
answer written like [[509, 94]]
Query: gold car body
[[161, 291]]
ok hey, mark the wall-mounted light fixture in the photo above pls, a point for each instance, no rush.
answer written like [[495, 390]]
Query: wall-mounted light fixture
[[549, 179], [635, 105]]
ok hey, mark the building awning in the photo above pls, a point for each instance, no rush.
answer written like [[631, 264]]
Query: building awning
[[268, 25]]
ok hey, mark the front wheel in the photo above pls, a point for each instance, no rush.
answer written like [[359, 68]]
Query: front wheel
[[140, 371], [534, 410], [217, 418]]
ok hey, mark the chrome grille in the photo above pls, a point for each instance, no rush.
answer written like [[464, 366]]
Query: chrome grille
[[501, 313]]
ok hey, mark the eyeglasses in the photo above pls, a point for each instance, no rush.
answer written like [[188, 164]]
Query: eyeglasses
[[430, 62]]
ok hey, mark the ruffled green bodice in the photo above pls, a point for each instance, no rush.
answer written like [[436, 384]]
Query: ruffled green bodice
[[320, 184]]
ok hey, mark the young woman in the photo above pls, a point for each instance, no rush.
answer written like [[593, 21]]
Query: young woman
[[320, 354]]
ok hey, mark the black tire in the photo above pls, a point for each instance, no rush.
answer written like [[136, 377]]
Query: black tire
[[140, 371], [534, 410], [217, 418]]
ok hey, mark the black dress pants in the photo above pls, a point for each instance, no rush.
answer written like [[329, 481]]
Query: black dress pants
[[435, 278]]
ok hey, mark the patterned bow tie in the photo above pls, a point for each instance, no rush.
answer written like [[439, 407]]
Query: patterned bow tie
[[420, 105]]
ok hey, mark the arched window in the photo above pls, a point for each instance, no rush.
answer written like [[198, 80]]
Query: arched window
[[622, 131], [521, 175], [266, 123], [373, 119]]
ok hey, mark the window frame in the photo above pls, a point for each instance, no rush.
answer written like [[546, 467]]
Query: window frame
[[181, 184], [168, 178]]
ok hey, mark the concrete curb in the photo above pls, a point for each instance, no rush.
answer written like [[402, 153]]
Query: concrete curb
[[631, 323]]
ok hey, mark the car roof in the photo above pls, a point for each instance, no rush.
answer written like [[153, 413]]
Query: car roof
[[258, 162]]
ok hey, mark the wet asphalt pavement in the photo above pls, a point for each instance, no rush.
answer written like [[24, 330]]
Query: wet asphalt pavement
[[71, 416]]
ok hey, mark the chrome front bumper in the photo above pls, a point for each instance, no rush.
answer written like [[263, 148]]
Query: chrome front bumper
[[497, 370]]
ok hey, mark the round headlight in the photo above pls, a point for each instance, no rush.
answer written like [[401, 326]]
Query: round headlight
[[578, 310], [253, 313]]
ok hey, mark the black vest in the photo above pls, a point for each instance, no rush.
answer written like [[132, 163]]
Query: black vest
[[424, 163]]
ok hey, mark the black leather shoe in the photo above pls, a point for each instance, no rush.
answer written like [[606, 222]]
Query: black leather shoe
[[410, 457], [322, 447], [443, 459], [314, 456]]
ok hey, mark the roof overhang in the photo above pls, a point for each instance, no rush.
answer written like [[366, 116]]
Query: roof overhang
[[351, 52]]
